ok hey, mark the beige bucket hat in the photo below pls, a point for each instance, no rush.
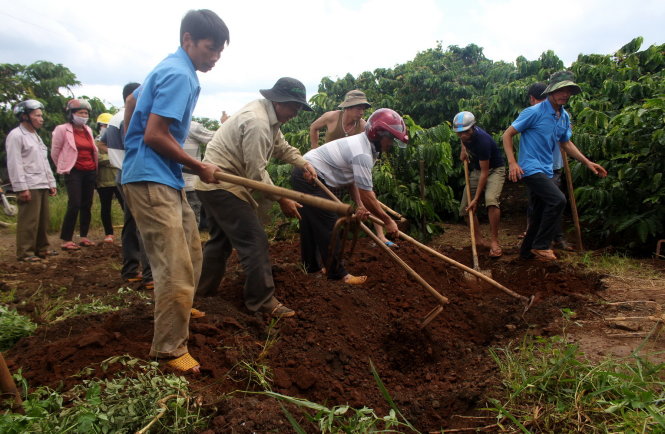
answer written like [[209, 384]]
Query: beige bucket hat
[[353, 98]]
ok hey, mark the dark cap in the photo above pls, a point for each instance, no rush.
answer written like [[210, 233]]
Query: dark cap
[[536, 90], [287, 89]]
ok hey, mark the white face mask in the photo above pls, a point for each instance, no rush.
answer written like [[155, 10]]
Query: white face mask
[[79, 121]]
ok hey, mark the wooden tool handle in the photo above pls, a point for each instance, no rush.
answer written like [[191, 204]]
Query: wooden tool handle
[[472, 222], [319, 202]]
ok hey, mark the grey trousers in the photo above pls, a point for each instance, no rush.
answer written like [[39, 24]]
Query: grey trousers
[[32, 224]]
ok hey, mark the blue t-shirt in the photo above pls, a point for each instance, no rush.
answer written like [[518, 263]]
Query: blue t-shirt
[[541, 132], [171, 91], [482, 147]]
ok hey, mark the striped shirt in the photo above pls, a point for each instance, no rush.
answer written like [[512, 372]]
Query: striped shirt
[[345, 161]]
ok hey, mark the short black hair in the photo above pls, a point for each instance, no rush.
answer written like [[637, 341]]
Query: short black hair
[[129, 88], [204, 24], [536, 90]]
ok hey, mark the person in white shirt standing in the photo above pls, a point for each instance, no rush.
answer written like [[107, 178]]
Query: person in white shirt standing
[[32, 180]]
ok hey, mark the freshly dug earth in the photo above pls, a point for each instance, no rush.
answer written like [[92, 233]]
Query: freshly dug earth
[[434, 374]]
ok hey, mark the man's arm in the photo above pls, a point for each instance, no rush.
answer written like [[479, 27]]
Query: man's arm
[[159, 138], [130, 105], [321, 122], [372, 204], [515, 173], [482, 181], [572, 150]]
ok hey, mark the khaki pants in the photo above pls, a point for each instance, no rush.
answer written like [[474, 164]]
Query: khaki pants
[[493, 188], [31, 225], [168, 228]]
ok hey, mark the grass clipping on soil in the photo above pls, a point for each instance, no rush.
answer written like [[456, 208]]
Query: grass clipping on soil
[[13, 326]]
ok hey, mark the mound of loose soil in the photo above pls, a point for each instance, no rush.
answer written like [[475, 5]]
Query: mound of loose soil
[[323, 353]]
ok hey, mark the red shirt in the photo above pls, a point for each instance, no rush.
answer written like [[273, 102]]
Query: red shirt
[[85, 148]]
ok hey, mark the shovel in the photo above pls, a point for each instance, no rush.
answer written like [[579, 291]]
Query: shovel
[[472, 227]]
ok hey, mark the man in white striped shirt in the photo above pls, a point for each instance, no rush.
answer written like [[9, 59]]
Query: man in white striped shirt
[[346, 162]]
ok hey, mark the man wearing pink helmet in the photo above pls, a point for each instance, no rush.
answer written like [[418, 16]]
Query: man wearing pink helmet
[[346, 162]]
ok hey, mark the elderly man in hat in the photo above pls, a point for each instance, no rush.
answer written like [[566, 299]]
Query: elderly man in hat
[[242, 146], [542, 127]]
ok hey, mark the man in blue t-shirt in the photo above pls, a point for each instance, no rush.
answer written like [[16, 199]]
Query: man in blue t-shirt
[[157, 118], [487, 175], [542, 126]]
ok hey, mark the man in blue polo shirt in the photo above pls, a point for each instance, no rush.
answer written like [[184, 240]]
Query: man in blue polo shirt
[[542, 126], [488, 173], [157, 117]]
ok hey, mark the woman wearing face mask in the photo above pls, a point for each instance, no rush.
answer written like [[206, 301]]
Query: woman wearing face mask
[[75, 155]]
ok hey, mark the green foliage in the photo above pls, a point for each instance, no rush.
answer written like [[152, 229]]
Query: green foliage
[[550, 387], [13, 326], [129, 401]]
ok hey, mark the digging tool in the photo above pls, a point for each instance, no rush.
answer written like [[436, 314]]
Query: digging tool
[[319, 202], [9, 208], [528, 301], [394, 213], [472, 226], [571, 198], [441, 299], [7, 385]]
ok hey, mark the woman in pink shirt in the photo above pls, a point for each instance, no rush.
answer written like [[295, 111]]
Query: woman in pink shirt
[[74, 153]]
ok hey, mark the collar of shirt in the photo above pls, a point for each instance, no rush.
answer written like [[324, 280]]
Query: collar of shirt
[[182, 54], [26, 132], [272, 116]]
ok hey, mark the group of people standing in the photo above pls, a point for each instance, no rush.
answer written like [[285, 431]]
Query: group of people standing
[[145, 142], [77, 158]]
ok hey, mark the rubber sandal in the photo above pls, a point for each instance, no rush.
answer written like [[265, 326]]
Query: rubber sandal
[[197, 313], [109, 239], [496, 253], [149, 285], [31, 258], [391, 244], [522, 235], [86, 242], [135, 278], [354, 280], [46, 253], [544, 255], [70, 245], [276, 309], [183, 364]]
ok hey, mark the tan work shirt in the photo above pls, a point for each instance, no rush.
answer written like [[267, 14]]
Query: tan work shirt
[[243, 146]]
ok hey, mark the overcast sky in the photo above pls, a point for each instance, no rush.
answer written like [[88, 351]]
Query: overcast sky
[[107, 44]]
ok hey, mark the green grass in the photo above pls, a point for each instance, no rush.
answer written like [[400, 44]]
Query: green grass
[[13, 326], [549, 386], [58, 208], [617, 264], [139, 396]]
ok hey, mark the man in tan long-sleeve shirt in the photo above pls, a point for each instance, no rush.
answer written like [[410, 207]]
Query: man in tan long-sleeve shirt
[[242, 146]]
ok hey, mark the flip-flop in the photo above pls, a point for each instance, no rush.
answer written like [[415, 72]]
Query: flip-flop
[[496, 253], [391, 244], [31, 258], [183, 364], [544, 255], [86, 242], [354, 280], [197, 313], [70, 246], [46, 253]]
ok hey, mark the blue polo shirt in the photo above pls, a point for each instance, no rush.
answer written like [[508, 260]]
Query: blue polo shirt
[[541, 132], [171, 91], [482, 147]]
